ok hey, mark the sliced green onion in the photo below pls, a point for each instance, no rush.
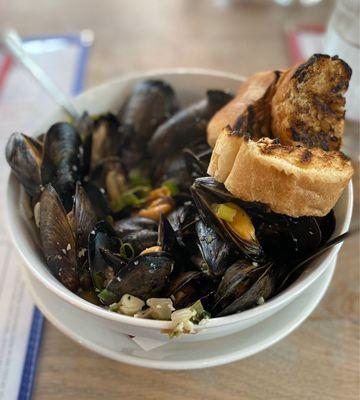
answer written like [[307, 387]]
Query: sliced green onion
[[107, 297], [126, 251], [172, 186], [139, 177], [134, 197], [225, 212], [114, 307], [98, 279], [200, 312]]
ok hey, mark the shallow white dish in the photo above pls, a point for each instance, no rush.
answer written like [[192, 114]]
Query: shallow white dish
[[177, 355], [190, 86]]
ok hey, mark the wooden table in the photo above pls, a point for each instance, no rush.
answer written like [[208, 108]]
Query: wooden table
[[320, 360]]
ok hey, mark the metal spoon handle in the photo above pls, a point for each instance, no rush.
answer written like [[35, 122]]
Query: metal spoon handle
[[13, 44], [323, 249]]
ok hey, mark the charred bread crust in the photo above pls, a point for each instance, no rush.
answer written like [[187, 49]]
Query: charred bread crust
[[308, 106], [249, 112], [292, 180]]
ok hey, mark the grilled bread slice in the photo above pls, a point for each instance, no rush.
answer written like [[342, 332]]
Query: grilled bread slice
[[291, 180], [308, 106], [249, 111]]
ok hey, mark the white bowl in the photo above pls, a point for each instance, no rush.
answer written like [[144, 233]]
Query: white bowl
[[190, 85]]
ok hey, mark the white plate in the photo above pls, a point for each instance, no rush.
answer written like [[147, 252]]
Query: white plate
[[178, 355]]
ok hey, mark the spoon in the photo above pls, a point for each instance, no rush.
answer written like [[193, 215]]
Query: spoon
[[299, 268], [12, 42]]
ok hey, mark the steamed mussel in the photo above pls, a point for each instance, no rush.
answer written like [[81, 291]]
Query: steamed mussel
[[128, 216]]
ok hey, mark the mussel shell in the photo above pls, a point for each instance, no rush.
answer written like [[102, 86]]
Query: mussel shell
[[24, 154], [203, 200], [195, 167], [61, 164], [83, 221], [150, 103], [98, 199], [286, 238], [106, 138], [243, 284], [145, 276], [187, 125], [189, 286], [110, 175], [57, 239], [101, 237], [141, 239], [174, 168], [133, 224], [216, 252]]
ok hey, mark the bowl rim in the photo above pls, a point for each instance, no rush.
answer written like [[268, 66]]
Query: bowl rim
[[61, 291]]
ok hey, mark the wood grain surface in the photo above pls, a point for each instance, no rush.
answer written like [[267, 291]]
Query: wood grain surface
[[320, 360]]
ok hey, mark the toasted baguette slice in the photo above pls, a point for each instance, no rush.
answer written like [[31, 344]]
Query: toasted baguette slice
[[308, 104], [291, 180], [249, 111]]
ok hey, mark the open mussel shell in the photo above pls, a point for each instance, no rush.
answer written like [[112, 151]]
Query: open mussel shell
[[244, 285], [24, 156], [141, 239], [110, 175], [98, 199], [204, 200], [106, 138], [189, 286], [61, 164], [133, 224], [102, 237], [216, 252], [145, 276], [57, 239], [187, 125], [83, 220]]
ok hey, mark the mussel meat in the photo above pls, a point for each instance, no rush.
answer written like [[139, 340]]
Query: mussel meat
[[231, 221]]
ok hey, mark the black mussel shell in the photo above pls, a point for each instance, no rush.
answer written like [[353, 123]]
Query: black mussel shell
[[149, 104], [102, 237], [133, 224], [141, 239], [106, 138], [98, 198], [110, 175], [145, 276], [195, 167], [187, 125], [174, 168], [203, 200], [286, 238], [83, 220], [61, 164], [216, 252], [244, 285], [189, 286], [327, 226], [57, 239], [24, 154]]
